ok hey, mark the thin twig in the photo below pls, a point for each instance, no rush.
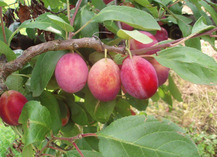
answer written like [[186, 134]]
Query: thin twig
[[72, 20], [2, 25], [79, 151]]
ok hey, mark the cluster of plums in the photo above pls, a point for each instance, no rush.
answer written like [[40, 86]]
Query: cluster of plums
[[140, 77]]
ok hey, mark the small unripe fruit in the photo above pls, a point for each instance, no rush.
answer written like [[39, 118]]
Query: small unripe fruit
[[104, 80], [162, 71], [11, 105], [135, 45], [161, 35], [139, 77], [71, 72]]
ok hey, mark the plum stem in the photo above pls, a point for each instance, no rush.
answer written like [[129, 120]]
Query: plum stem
[[106, 54]]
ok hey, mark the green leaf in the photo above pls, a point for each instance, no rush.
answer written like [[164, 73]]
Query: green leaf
[[99, 4], [165, 95], [174, 90], [131, 16], [87, 153], [148, 5], [135, 35], [5, 49], [200, 26], [123, 107], [85, 16], [8, 33], [27, 151], [61, 23], [78, 114], [118, 58], [139, 136], [209, 9], [98, 110], [3, 4], [89, 143], [70, 130], [43, 71], [50, 102], [15, 82], [43, 25], [139, 104], [36, 120], [190, 64]]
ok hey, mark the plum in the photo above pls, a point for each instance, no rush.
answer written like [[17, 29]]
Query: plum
[[134, 44], [104, 80], [71, 72], [162, 71], [161, 35], [139, 77], [11, 105]]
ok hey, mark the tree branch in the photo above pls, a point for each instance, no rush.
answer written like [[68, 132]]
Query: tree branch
[[7, 68]]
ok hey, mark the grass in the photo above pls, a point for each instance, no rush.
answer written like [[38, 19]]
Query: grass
[[7, 140]]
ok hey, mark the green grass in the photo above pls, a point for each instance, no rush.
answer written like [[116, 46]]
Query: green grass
[[7, 137]]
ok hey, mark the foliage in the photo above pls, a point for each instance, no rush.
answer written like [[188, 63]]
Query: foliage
[[98, 128]]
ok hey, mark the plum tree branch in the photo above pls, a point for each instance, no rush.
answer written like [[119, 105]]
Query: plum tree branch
[[73, 44]]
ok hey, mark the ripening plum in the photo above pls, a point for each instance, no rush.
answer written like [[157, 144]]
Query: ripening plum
[[161, 35], [11, 105], [104, 80], [162, 71], [71, 72], [135, 45], [139, 77]]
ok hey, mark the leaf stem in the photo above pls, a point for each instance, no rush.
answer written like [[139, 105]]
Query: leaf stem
[[79, 151], [2, 25]]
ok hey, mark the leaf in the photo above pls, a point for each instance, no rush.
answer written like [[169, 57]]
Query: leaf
[[98, 110], [5, 49], [123, 107], [139, 104], [131, 16], [87, 153], [43, 71], [27, 151], [140, 136], [70, 130], [119, 58], [42, 25], [90, 29], [174, 90], [99, 4], [200, 26], [50, 102], [209, 9], [148, 5], [190, 64], [15, 82], [165, 95], [7, 33], [89, 143], [61, 23], [3, 4], [36, 120], [135, 35], [78, 114]]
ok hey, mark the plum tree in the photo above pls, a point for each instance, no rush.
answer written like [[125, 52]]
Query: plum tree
[[139, 77], [11, 105], [134, 44], [71, 72], [104, 79]]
